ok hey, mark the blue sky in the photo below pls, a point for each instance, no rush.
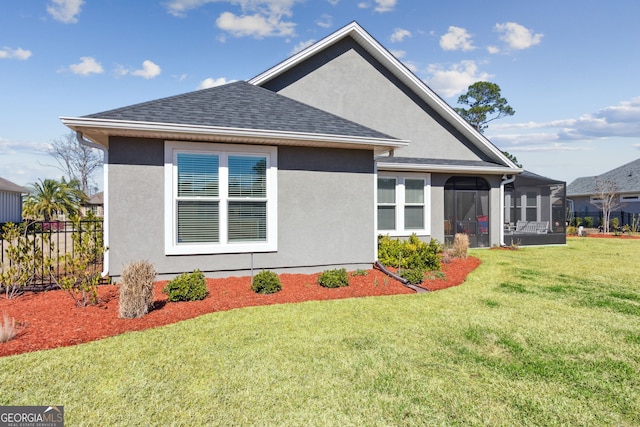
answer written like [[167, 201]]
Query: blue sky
[[570, 69]]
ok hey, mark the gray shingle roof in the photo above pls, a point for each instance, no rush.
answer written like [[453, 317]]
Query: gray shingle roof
[[6, 185], [535, 178], [240, 105], [447, 162], [626, 177]]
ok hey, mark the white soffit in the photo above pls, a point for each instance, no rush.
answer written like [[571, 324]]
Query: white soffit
[[99, 130]]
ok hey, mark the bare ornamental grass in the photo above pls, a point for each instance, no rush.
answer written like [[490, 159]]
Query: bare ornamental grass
[[136, 290], [7, 329]]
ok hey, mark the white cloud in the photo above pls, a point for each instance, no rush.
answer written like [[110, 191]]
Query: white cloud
[[493, 49], [181, 7], [381, 5], [211, 82], [8, 147], [302, 46], [256, 25], [325, 21], [516, 36], [258, 18], [456, 79], [398, 53], [617, 121], [19, 53], [65, 11], [456, 39], [385, 5], [148, 71], [86, 66], [333, 2], [400, 34]]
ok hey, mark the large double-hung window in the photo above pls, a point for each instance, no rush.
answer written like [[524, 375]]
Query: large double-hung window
[[219, 198], [403, 204]]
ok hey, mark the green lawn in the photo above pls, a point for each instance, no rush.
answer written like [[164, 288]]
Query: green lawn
[[537, 336]]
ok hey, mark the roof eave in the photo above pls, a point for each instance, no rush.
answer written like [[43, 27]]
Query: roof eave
[[498, 170], [401, 72], [99, 131]]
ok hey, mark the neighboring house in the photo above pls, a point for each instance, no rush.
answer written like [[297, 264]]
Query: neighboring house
[[583, 191], [95, 204], [301, 168], [11, 201]]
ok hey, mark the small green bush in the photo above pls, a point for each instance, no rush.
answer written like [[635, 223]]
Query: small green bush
[[588, 222], [614, 223], [187, 287], [360, 272], [266, 282], [415, 276], [334, 278], [411, 254]]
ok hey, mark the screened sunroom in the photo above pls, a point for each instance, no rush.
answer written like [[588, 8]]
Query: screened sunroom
[[535, 211]]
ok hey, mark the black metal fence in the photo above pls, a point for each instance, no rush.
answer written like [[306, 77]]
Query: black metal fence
[[51, 243], [594, 219]]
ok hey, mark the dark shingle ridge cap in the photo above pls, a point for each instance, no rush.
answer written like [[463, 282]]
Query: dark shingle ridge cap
[[240, 105]]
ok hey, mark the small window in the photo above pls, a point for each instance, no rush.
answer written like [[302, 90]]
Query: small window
[[403, 204], [386, 203], [414, 204]]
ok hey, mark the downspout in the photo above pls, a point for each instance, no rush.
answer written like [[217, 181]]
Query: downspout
[[504, 182], [105, 226]]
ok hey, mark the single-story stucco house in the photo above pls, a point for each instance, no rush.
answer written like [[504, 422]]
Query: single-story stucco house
[[11, 201], [583, 192], [302, 167]]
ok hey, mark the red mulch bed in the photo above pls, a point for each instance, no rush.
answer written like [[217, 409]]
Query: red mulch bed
[[612, 236], [50, 319], [607, 236]]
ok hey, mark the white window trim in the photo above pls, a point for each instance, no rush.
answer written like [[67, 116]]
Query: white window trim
[[400, 204], [172, 247]]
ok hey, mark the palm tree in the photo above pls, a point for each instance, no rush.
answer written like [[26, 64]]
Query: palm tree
[[49, 198]]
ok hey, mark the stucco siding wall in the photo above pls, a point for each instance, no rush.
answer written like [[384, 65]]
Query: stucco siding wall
[[346, 81], [10, 207], [325, 212]]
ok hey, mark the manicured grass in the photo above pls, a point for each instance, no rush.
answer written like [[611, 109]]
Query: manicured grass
[[537, 336]]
